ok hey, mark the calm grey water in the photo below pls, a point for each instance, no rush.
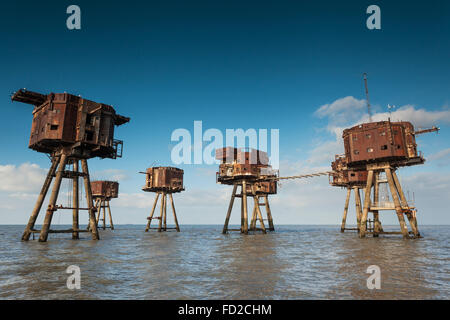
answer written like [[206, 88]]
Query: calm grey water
[[295, 262]]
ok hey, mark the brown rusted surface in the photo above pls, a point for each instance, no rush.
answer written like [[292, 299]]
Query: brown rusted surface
[[370, 150], [252, 156], [238, 164], [343, 176], [227, 154], [263, 187], [105, 189], [381, 141], [432, 129], [164, 179], [242, 156], [71, 128], [230, 172], [62, 120], [235, 171]]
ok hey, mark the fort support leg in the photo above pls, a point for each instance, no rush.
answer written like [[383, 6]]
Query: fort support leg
[[269, 213], [404, 203], [165, 212], [110, 216], [76, 202], [413, 224], [261, 221], [344, 217], [377, 228], [99, 212], [363, 224], [242, 209], [161, 213], [40, 200], [257, 210], [254, 214], [149, 223], [358, 209], [398, 206], [230, 208], [87, 188], [98, 207], [174, 213], [376, 198], [244, 201], [413, 221], [104, 213], [53, 198], [254, 217]]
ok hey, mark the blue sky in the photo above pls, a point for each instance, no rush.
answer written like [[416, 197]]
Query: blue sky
[[230, 64]]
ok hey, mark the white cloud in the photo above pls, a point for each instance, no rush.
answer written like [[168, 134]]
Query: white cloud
[[430, 183], [441, 157], [339, 106], [109, 174], [306, 201], [217, 196], [420, 118], [134, 200], [288, 168], [207, 172], [302, 200], [348, 111], [325, 152], [26, 177], [24, 196], [190, 198]]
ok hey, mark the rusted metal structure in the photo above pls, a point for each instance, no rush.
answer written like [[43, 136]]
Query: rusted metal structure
[[249, 170], [382, 141], [355, 180], [163, 181], [383, 147], [71, 130], [103, 192]]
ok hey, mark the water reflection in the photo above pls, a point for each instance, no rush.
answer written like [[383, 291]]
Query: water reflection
[[295, 262], [401, 263]]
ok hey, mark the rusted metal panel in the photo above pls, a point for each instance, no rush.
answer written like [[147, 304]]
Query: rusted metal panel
[[238, 164], [235, 171], [227, 154], [242, 156], [357, 177], [164, 179], [105, 189], [29, 97], [252, 156], [380, 141], [343, 176], [230, 172], [263, 187], [246, 170], [65, 120]]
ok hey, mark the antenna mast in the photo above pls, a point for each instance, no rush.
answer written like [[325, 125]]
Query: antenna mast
[[367, 97]]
